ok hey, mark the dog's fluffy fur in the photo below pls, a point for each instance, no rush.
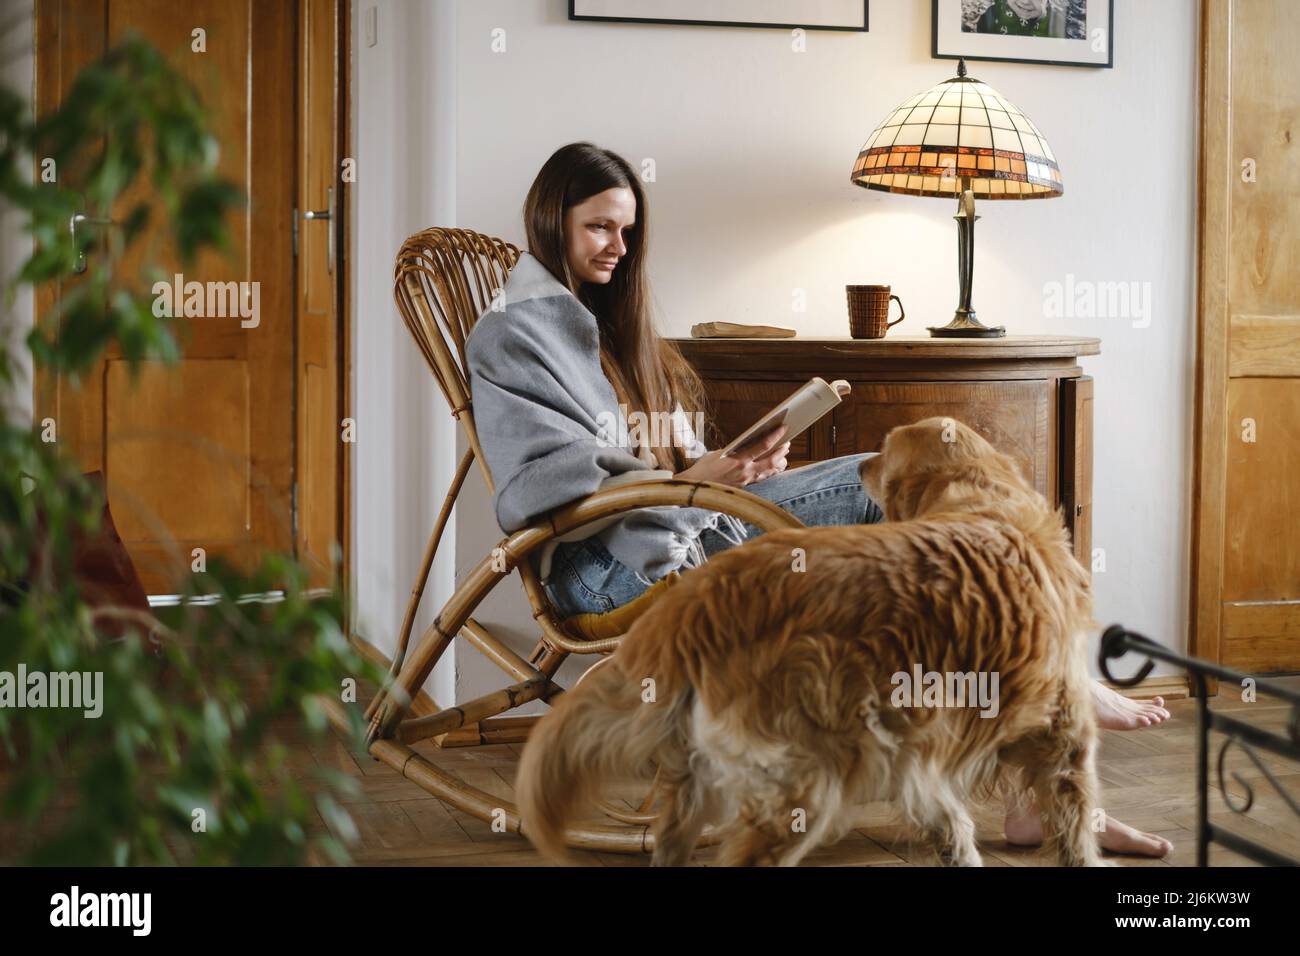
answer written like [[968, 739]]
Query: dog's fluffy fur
[[761, 691]]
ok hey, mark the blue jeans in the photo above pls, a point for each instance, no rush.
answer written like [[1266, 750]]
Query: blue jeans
[[586, 577]]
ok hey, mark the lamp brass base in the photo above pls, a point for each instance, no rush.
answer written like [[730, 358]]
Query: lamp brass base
[[964, 325]]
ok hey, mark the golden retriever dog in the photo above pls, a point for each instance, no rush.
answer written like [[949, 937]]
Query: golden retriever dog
[[768, 685]]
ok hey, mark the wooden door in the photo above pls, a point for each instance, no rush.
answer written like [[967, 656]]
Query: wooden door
[[1246, 511], [321, 182], [234, 452], [198, 458]]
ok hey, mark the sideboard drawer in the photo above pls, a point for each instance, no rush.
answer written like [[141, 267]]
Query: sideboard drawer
[[1015, 417]]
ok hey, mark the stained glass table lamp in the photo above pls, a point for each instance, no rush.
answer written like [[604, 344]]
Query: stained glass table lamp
[[961, 138]]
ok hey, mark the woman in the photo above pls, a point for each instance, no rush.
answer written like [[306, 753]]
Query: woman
[[559, 365], [573, 356]]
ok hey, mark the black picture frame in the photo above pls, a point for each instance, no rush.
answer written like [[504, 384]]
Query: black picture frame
[[727, 23], [1110, 45]]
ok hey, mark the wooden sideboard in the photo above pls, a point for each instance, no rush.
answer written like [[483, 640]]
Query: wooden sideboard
[[1026, 394]]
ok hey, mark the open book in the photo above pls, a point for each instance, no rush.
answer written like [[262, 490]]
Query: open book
[[798, 412]]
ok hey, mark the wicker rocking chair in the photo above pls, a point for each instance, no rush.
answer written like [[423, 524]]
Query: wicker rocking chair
[[444, 280]]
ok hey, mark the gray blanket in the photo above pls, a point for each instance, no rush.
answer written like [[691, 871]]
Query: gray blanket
[[538, 396]]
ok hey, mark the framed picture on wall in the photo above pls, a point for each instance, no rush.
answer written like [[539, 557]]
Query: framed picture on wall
[[783, 14], [1064, 32]]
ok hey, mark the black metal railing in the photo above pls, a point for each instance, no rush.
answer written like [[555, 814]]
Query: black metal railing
[[1116, 642]]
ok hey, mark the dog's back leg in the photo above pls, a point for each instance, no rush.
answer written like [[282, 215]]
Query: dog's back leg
[[688, 806], [1064, 781]]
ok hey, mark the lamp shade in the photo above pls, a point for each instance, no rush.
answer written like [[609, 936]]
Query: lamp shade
[[960, 129]]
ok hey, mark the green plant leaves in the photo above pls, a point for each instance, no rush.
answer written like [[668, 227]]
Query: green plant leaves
[[192, 759]]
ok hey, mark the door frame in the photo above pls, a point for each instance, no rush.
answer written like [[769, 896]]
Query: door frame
[[1210, 444], [343, 237]]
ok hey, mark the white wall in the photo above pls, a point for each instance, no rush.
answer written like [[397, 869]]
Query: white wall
[[753, 145], [404, 131]]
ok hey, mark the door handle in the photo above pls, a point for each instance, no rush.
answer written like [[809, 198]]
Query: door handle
[[76, 220], [327, 216]]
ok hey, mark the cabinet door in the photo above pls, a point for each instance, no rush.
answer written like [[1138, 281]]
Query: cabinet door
[[1015, 417], [735, 405], [1076, 464]]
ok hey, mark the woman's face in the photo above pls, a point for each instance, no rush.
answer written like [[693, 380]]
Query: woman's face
[[595, 234]]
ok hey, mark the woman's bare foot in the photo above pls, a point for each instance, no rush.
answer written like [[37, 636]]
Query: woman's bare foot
[[1025, 828], [1117, 712]]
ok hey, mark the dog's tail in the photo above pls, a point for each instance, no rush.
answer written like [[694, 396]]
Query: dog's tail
[[609, 726]]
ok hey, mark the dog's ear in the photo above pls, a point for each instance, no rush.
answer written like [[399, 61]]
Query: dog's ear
[[869, 473], [896, 478], [906, 495], [890, 502], [916, 495]]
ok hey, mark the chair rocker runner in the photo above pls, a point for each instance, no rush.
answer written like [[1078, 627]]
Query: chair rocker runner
[[444, 280]]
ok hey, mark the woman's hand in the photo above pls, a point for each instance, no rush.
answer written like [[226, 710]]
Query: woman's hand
[[751, 463]]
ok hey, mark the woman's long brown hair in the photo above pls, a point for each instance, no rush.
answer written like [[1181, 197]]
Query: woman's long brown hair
[[648, 373]]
